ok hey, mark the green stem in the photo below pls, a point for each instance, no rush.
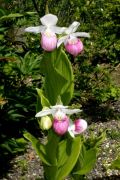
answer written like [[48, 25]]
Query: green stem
[[47, 8]]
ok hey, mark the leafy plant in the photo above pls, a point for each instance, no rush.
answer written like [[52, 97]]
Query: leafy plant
[[115, 164], [13, 145]]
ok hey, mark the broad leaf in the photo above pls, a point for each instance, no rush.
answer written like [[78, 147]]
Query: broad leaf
[[52, 147], [115, 164], [39, 148], [50, 172], [72, 153], [51, 150], [62, 152], [86, 161], [43, 99], [58, 76]]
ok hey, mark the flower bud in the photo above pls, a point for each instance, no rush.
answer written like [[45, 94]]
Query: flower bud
[[74, 46], [61, 126], [80, 126], [48, 41], [45, 123]]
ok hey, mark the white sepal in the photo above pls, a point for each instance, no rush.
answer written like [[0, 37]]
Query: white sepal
[[44, 113], [36, 29], [49, 20], [71, 130], [57, 30], [72, 28], [71, 111], [61, 40], [59, 106], [81, 34]]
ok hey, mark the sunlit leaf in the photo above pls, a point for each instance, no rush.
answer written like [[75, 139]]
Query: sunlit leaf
[[58, 76], [115, 164], [87, 160], [71, 155], [39, 147], [43, 99], [15, 15]]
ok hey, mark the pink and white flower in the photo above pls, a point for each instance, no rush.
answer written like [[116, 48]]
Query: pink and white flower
[[77, 127], [60, 119], [73, 45], [60, 123], [48, 30]]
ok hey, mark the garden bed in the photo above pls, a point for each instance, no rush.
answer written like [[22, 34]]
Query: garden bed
[[29, 167]]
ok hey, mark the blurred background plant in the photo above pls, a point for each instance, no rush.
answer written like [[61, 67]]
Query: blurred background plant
[[96, 85]]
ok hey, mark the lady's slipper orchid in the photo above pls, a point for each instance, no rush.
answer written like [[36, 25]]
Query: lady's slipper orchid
[[57, 108], [73, 45], [60, 123], [48, 30], [77, 127], [60, 119]]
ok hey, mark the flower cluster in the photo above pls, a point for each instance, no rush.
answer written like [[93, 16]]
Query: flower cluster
[[61, 122], [49, 40]]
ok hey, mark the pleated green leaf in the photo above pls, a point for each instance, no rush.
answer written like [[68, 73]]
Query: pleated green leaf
[[71, 155], [58, 76], [52, 147]]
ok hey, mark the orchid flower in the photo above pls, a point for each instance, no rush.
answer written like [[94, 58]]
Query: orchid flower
[[48, 22], [73, 45], [60, 118], [48, 30], [77, 127], [55, 109]]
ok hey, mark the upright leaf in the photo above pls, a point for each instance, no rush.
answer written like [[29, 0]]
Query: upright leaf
[[52, 147], [86, 161], [39, 148], [43, 99], [58, 76], [72, 153]]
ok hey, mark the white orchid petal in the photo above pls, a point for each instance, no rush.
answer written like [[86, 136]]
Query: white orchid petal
[[36, 29], [81, 34], [49, 20], [58, 106], [71, 129], [71, 111], [57, 30], [71, 134], [72, 28], [44, 113], [61, 40]]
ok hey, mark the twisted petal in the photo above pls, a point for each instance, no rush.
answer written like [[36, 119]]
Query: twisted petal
[[36, 29], [62, 40], [58, 30], [49, 20], [81, 34], [71, 130], [71, 111], [72, 28], [44, 113]]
